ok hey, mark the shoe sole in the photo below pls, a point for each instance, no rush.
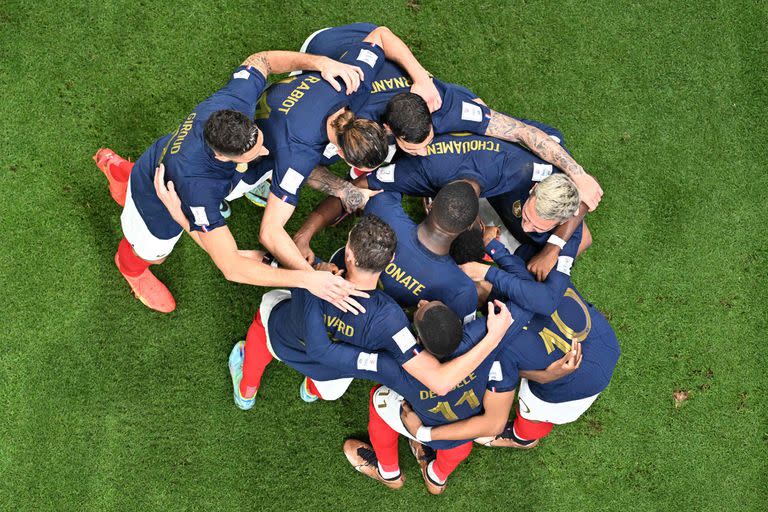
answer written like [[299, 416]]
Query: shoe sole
[[235, 384]]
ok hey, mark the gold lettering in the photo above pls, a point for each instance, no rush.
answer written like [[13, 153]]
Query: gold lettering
[[418, 289]]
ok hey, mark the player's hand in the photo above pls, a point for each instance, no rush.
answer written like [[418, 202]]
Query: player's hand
[[330, 70], [168, 196], [336, 290], [251, 254], [566, 365], [498, 323], [542, 263], [410, 419], [355, 198], [324, 266], [306, 251], [590, 191], [490, 233], [427, 90], [475, 270]]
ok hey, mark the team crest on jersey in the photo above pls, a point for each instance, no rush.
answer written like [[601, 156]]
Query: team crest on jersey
[[517, 209]]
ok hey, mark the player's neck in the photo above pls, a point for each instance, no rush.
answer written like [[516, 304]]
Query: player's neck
[[433, 239], [361, 279]]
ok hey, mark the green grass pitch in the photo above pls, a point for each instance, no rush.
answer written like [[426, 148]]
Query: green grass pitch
[[107, 406]]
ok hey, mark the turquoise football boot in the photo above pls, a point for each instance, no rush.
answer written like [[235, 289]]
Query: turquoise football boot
[[305, 394], [236, 372]]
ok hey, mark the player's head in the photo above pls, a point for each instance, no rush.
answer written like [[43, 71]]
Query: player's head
[[468, 246], [234, 137], [371, 245], [552, 201], [362, 143], [407, 117], [454, 208], [438, 327]]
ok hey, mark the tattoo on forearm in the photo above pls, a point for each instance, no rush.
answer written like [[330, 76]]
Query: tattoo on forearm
[[260, 62], [508, 128], [353, 199], [326, 182]]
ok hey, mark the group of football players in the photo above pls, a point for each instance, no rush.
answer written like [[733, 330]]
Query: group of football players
[[449, 316]]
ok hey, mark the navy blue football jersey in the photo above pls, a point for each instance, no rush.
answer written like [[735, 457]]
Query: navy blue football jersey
[[322, 342], [547, 338], [201, 181], [293, 113], [459, 111], [499, 167], [465, 400], [417, 273]]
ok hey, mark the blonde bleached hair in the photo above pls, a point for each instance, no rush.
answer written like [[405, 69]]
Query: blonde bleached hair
[[557, 198]]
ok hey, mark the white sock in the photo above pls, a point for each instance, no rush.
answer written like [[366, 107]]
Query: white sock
[[388, 475], [432, 475]]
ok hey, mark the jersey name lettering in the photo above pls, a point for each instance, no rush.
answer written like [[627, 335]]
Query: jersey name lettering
[[460, 147], [399, 275], [335, 323], [298, 93], [184, 130]]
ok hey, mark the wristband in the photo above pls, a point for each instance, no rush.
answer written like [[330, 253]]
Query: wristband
[[424, 434], [556, 240], [270, 260]]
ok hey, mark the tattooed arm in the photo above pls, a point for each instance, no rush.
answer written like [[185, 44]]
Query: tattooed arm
[[282, 62], [542, 145], [352, 197]]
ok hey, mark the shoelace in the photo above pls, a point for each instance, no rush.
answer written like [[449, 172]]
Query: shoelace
[[368, 456]]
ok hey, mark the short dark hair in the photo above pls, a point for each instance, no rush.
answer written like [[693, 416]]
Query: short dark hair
[[468, 246], [407, 115], [440, 331], [231, 133], [363, 142], [373, 243], [455, 207]]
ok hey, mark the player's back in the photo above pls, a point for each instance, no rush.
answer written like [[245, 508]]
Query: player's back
[[189, 162], [382, 327], [463, 401], [547, 338], [499, 167], [416, 273]]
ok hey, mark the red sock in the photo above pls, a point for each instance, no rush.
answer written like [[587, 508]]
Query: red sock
[[531, 430], [130, 264], [448, 460], [313, 389], [383, 438], [120, 169], [256, 358]]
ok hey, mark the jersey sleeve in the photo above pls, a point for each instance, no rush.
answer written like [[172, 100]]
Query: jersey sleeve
[[201, 206], [379, 367], [293, 165], [396, 338], [386, 205], [459, 112], [242, 91], [503, 375], [464, 302], [368, 57], [405, 175], [514, 282]]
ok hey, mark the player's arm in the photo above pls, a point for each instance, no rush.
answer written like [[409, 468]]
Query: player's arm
[[352, 197], [275, 238], [396, 50], [496, 409], [564, 241], [542, 145], [326, 213], [513, 281], [566, 365], [283, 61], [441, 378]]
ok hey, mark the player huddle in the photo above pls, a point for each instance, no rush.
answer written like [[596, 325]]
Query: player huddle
[[398, 304]]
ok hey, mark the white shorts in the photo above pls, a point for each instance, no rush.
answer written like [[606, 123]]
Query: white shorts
[[242, 187], [329, 389], [146, 245], [490, 218], [387, 404], [535, 409], [305, 45]]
